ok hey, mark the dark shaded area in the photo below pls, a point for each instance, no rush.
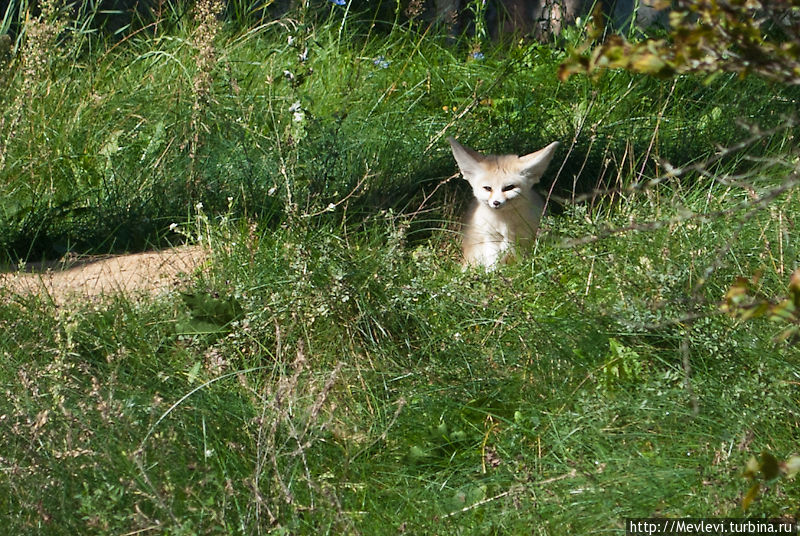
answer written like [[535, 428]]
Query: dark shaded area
[[42, 231], [340, 150], [542, 19]]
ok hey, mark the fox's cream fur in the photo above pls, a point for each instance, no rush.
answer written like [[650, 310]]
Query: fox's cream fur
[[505, 213]]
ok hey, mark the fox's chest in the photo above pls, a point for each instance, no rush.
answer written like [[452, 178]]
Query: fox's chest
[[509, 225]]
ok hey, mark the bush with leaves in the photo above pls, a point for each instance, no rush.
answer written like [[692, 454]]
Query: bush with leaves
[[706, 37]]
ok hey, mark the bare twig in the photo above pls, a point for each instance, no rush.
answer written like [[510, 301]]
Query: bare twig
[[333, 206], [757, 204]]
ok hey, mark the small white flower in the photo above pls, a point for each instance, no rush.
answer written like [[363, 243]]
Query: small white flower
[[173, 226]]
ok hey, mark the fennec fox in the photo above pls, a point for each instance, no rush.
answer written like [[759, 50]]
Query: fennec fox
[[505, 213]]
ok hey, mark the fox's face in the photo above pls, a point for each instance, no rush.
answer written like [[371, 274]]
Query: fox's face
[[497, 181], [505, 217], [498, 188]]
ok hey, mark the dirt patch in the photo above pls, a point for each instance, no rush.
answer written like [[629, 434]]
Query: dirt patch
[[151, 273]]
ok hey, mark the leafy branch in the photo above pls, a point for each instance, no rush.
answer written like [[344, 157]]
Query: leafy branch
[[769, 469], [743, 302], [706, 37]]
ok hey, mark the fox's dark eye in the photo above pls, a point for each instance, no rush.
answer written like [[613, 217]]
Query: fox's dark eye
[[508, 187], [487, 188]]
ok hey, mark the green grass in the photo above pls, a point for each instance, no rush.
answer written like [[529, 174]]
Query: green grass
[[334, 371]]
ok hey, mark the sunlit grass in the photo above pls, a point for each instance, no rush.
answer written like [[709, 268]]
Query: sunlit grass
[[334, 370]]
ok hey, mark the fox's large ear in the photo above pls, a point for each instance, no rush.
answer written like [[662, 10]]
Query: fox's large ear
[[469, 161], [533, 165]]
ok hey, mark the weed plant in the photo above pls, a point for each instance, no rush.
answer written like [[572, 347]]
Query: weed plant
[[335, 370]]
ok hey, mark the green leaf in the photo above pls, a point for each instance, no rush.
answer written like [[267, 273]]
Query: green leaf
[[750, 496], [441, 430], [769, 466], [466, 496], [458, 435], [212, 308], [787, 334], [476, 494], [792, 466], [648, 63], [754, 312], [417, 453], [785, 310], [190, 326], [794, 288], [752, 468], [193, 372]]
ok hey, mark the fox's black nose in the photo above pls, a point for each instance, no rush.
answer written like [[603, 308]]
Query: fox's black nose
[[496, 203]]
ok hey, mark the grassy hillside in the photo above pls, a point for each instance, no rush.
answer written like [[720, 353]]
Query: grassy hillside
[[333, 370]]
